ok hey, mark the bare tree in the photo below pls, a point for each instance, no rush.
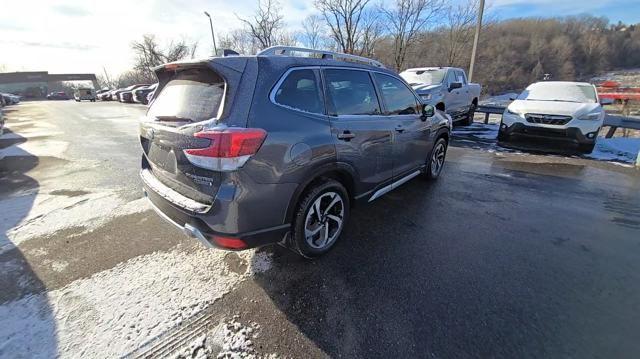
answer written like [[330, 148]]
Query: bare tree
[[241, 41], [266, 23], [344, 20], [372, 32], [313, 31], [459, 28], [405, 20], [149, 54]]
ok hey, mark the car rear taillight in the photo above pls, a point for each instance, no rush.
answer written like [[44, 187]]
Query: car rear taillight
[[229, 148]]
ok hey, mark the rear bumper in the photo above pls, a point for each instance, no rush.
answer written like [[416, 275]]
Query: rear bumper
[[571, 134], [245, 217]]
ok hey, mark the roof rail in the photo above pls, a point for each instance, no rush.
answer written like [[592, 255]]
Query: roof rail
[[324, 54]]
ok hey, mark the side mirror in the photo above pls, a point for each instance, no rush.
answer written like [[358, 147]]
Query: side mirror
[[454, 85], [427, 111]]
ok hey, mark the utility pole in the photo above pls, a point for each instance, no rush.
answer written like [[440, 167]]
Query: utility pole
[[476, 38], [213, 37]]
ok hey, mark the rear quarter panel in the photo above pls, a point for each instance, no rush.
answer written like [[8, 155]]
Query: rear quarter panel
[[297, 141]]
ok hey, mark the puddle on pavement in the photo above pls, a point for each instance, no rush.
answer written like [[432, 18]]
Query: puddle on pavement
[[68, 193], [541, 168], [625, 213]]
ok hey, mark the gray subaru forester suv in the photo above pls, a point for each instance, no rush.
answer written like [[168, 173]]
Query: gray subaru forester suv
[[245, 151]]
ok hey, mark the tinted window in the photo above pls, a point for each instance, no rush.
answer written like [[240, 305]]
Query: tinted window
[[300, 91], [398, 99], [351, 92], [460, 77], [192, 95], [451, 77]]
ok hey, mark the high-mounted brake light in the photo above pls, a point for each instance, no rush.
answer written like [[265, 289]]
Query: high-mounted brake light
[[228, 150], [170, 67]]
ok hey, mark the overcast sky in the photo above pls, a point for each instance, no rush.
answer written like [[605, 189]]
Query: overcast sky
[[65, 36]]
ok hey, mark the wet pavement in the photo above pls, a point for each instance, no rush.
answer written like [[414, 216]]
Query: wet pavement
[[509, 254]]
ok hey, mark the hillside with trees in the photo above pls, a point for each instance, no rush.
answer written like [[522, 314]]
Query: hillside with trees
[[410, 33]]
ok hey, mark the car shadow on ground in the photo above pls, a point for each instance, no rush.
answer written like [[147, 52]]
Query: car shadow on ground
[[345, 301], [27, 325]]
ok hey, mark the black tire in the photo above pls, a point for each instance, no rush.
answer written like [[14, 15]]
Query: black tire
[[434, 165], [586, 148], [468, 118], [502, 137], [305, 214]]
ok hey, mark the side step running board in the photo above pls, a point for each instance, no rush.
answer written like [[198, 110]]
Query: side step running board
[[394, 185]]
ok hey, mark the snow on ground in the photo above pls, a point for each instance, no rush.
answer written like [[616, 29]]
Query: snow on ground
[[51, 148], [618, 150], [39, 214], [622, 149], [116, 311]]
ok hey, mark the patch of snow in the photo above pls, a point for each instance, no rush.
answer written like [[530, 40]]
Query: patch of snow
[[259, 262], [116, 311], [235, 340], [197, 349], [621, 149], [37, 215], [52, 148]]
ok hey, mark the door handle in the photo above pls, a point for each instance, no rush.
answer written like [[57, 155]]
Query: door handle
[[400, 129], [346, 135]]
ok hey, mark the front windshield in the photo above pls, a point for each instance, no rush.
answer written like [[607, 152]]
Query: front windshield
[[561, 92], [428, 77]]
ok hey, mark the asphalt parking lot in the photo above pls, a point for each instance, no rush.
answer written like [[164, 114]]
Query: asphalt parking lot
[[511, 254]]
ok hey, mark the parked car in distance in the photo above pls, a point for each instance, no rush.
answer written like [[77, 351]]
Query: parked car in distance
[[447, 89], [555, 110], [115, 94], [84, 94], [140, 94], [59, 95], [104, 95], [127, 94], [10, 99], [287, 163], [2, 104], [150, 96], [100, 92]]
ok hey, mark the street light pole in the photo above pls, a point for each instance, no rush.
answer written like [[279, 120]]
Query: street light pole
[[475, 39], [213, 37]]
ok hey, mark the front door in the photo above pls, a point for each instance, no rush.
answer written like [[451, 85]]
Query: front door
[[453, 98], [411, 131]]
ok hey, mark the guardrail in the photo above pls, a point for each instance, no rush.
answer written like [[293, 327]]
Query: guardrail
[[612, 121]]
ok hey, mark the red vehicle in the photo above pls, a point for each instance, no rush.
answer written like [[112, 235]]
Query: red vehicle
[[615, 91]]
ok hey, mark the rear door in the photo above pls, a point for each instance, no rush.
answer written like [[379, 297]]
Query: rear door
[[363, 133], [411, 132], [190, 97]]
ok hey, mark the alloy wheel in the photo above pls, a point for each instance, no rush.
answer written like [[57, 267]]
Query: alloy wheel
[[324, 220], [437, 158]]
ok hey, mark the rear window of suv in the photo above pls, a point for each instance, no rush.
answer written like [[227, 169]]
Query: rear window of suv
[[300, 91], [192, 95]]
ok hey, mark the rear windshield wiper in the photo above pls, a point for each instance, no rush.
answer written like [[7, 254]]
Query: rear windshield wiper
[[173, 119]]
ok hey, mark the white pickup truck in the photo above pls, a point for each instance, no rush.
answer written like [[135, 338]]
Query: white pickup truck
[[447, 89]]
